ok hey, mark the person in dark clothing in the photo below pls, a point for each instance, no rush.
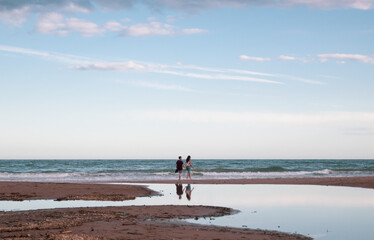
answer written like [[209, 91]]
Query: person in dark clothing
[[180, 167]]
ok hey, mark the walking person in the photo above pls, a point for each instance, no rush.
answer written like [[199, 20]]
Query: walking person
[[179, 165], [188, 167]]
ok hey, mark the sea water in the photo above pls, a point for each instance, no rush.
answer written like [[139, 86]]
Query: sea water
[[158, 169]]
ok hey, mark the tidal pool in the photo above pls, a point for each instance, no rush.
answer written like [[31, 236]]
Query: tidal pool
[[322, 212]]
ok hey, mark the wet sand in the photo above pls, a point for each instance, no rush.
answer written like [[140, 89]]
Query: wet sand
[[139, 222], [18, 191], [363, 182]]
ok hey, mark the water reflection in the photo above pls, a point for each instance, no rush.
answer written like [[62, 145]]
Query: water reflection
[[179, 190], [318, 211], [189, 191]]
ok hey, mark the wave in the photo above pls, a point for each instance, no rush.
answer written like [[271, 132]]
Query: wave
[[165, 175], [264, 169]]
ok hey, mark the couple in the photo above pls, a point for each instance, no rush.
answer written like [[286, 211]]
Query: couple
[[187, 165]]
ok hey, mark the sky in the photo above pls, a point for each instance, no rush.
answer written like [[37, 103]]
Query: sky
[[111, 79]]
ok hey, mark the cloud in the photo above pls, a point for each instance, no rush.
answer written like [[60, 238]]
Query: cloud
[[329, 4], [74, 7], [339, 57], [15, 12], [163, 69], [218, 76], [192, 31], [191, 5], [197, 5], [148, 29], [221, 70], [113, 26], [189, 71], [286, 58], [160, 86], [156, 29], [300, 79], [56, 23], [15, 16], [110, 66], [234, 74], [66, 58], [47, 5], [346, 57], [256, 59], [192, 71]]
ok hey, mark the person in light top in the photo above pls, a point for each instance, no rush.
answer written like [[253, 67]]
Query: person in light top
[[188, 167]]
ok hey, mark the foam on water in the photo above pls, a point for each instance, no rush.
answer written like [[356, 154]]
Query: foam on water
[[128, 176], [126, 170]]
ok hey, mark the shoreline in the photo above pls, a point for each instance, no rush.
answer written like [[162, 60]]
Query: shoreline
[[363, 182], [19, 191]]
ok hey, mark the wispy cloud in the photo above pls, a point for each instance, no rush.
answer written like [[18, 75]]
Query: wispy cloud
[[56, 23], [66, 58], [202, 73], [220, 70], [286, 58], [156, 28], [329, 4], [346, 57], [110, 66], [291, 58], [168, 87], [218, 76], [236, 74], [189, 71], [300, 79], [339, 57], [256, 59]]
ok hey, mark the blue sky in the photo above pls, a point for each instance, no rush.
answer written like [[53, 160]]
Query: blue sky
[[210, 79]]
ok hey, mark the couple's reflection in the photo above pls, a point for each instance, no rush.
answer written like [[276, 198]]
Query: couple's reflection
[[186, 190]]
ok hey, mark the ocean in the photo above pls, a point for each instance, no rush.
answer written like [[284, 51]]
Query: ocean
[[161, 169]]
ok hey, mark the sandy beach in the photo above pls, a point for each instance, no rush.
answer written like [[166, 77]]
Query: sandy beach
[[364, 182], [139, 222]]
